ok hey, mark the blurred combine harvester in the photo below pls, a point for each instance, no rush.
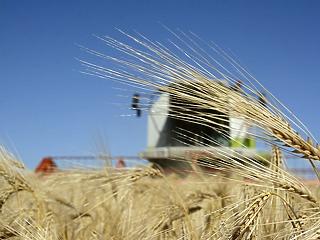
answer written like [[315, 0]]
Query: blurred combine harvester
[[176, 144]]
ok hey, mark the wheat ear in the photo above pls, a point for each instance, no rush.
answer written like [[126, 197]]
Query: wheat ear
[[250, 217]]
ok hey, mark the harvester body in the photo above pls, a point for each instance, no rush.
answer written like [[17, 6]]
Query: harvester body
[[175, 142]]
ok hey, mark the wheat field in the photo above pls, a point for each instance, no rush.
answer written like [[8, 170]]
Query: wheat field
[[145, 204]]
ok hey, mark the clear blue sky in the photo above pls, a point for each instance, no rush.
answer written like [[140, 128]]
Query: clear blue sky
[[49, 108]]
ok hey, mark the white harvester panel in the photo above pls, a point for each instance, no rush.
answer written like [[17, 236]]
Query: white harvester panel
[[157, 119], [239, 133], [238, 128]]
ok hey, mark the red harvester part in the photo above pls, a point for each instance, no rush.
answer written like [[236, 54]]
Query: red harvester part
[[120, 163], [46, 166]]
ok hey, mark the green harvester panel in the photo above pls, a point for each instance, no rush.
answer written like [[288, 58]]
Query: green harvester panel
[[243, 142]]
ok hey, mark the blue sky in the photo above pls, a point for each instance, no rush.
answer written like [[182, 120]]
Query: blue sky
[[49, 108]]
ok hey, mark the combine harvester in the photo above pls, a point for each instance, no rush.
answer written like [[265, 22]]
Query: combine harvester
[[175, 144]]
